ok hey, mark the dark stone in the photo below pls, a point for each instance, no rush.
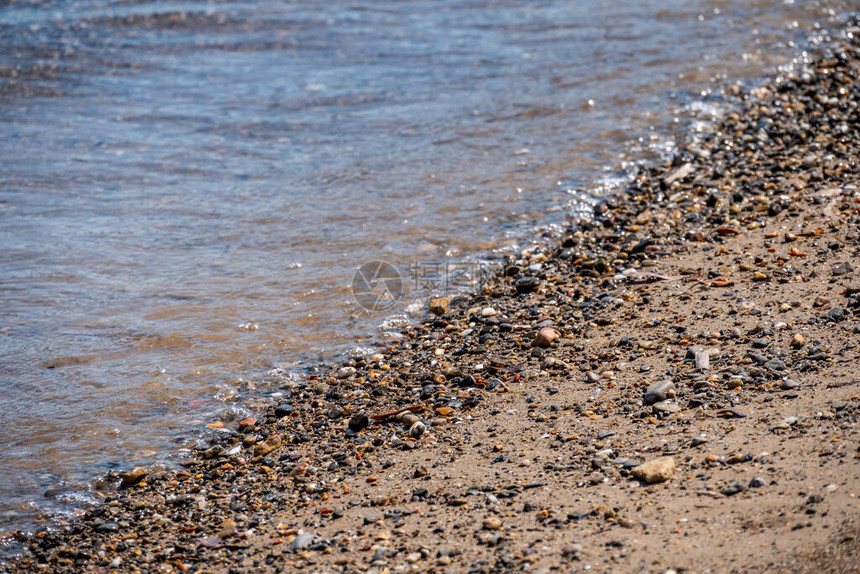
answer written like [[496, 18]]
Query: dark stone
[[284, 410], [527, 284], [836, 315], [733, 489], [757, 482], [358, 423]]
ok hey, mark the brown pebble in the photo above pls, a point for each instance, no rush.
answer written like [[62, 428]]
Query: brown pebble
[[132, 477], [492, 523], [545, 337], [228, 529], [657, 470]]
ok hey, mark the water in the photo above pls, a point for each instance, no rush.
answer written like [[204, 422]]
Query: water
[[187, 188]]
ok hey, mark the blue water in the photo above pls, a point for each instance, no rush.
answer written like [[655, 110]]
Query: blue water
[[186, 188]]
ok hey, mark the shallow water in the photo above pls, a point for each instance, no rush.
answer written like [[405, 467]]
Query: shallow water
[[187, 188]]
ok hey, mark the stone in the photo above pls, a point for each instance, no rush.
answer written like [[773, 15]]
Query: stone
[[270, 444], [372, 518], [733, 489], [789, 384], [666, 407], [841, 268], [439, 305], [836, 315], [492, 523], [703, 360], [345, 372], [775, 365], [657, 470], [545, 337], [302, 541], [698, 441], [358, 422], [413, 557], [527, 284], [284, 410], [132, 477], [757, 482], [659, 391], [417, 429], [552, 364], [228, 528]]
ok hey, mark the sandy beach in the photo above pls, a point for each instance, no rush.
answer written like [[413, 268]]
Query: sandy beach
[[672, 386]]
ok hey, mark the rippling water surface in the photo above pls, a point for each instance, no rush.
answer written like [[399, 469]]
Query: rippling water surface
[[186, 188]]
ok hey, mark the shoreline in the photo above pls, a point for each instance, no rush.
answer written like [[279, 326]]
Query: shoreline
[[708, 316]]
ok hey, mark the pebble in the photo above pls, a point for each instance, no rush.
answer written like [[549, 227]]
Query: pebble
[[132, 477], [551, 363], [372, 518], [757, 482], [841, 268], [492, 523], [798, 341], [836, 315], [227, 529], [545, 337], [417, 429], [302, 541], [775, 365], [439, 305], [659, 391], [657, 470], [789, 384], [666, 407], [284, 410], [527, 284], [345, 372], [270, 444], [733, 489], [358, 422]]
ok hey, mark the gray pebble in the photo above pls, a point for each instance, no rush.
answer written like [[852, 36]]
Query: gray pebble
[[836, 315], [417, 430], [659, 391], [733, 489], [301, 541], [666, 407], [573, 551], [789, 384]]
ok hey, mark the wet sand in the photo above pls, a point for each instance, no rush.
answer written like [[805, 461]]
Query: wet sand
[[705, 323]]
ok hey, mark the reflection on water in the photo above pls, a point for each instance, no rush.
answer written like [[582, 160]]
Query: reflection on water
[[188, 187]]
